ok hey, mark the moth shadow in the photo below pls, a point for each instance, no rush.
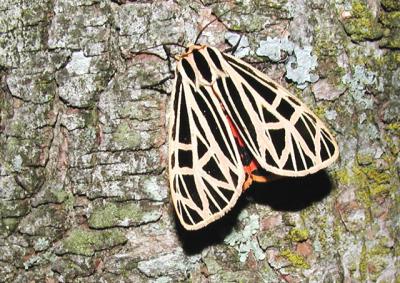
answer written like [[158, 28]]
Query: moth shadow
[[193, 242], [285, 194], [292, 194]]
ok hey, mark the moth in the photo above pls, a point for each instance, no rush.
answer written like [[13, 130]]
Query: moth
[[227, 121]]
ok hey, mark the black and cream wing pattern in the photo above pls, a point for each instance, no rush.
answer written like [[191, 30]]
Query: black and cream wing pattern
[[223, 111]]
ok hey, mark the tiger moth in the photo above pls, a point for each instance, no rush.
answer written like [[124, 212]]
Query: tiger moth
[[227, 121]]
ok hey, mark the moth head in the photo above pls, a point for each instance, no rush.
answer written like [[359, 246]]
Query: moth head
[[189, 50]]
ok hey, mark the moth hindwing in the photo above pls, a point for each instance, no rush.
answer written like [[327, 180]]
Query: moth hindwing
[[227, 120]]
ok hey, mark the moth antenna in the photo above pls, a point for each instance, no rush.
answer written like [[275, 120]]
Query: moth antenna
[[216, 19], [233, 49], [156, 86], [168, 53], [158, 45]]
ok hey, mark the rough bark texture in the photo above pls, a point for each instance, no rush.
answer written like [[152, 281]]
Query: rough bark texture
[[83, 101]]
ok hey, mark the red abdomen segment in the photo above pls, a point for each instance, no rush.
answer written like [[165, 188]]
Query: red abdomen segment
[[250, 165]]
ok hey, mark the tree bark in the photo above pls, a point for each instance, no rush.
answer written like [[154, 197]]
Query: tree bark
[[84, 99]]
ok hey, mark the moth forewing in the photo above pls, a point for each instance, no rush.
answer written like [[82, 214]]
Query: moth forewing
[[228, 117], [312, 151], [205, 168]]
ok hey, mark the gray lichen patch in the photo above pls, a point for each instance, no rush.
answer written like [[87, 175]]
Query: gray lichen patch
[[299, 66], [79, 64], [172, 265], [274, 47], [242, 48], [244, 241], [123, 215], [9, 17], [357, 81], [153, 188], [300, 70]]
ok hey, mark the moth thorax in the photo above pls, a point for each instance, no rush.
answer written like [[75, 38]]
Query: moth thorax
[[202, 66]]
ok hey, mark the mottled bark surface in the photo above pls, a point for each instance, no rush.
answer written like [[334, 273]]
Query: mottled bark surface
[[84, 104]]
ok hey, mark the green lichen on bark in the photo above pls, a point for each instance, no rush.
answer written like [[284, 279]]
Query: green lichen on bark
[[87, 242], [391, 19], [372, 182], [125, 214], [295, 259], [125, 138], [297, 235], [8, 225], [391, 5], [362, 25]]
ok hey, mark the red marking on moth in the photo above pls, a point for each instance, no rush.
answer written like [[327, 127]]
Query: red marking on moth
[[253, 165], [235, 132]]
